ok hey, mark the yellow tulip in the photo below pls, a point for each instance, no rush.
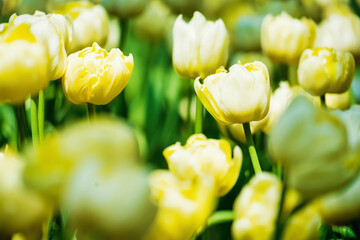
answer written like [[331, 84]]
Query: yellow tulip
[[313, 147], [95, 76], [256, 208], [284, 38], [51, 163], [16, 200], [199, 47], [55, 31], [325, 70], [24, 64], [236, 132], [183, 205], [113, 39], [239, 96], [340, 101], [202, 157], [340, 31], [91, 23]]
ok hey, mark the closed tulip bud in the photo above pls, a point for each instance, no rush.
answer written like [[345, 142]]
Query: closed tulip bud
[[340, 101], [284, 38], [183, 206], [341, 32], [91, 23], [238, 96], [95, 76], [313, 147], [199, 47], [303, 225], [51, 163], [24, 68], [325, 70], [17, 200], [125, 8], [55, 31], [202, 157], [256, 208]]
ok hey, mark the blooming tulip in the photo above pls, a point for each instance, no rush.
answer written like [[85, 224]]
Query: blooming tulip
[[325, 70], [24, 68], [199, 47], [205, 157], [284, 38], [95, 76], [239, 96]]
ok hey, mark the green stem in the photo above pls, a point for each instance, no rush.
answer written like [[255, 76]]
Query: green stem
[[34, 122], [21, 125], [280, 225], [91, 110], [41, 115], [251, 147], [198, 116], [221, 217], [292, 75]]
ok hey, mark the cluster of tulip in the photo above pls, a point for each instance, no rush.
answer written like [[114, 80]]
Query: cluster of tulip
[[96, 178]]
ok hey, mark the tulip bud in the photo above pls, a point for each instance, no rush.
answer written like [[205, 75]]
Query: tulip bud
[[17, 200], [183, 206], [341, 32], [125, 8], [284, 38], [312, 145], [95, 76], [256, 208], [91, 23], [202, 157], [114, 34], [325, 70], [199, 47], [24, 68], [55, 31], [340, 101], [239, 96]]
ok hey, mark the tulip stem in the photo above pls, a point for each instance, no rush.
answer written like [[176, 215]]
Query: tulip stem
[[251, 147], [34, 122], [91, 110], [41, 115], [221, 217], [198, 116], [21, 124]]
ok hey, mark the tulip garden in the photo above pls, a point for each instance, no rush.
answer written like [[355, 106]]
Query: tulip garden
[[179, 119]]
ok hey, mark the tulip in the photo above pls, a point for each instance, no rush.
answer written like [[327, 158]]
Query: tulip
[[95, 76], [183, 206], [341, 32], [24, 68], [284, 38], [340, 101], [55, 31], [325, 70], [53, 162], [239, 96], [313, 147], [17, 200], [199, 47], [114, 35], [256, 208], [91, 23], [236, 131], [202, 157], [125, 8]]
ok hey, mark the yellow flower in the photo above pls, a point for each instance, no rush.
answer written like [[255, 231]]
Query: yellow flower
[[340, 101], [284, 38], [202, 157], [183, 206], [95, 76], [91, 23], [303, 225], [313, 147], [17, 200], [125, 8], [341, 32], [239, 96], [51, 163], [55, 31], [256, 208], [24, 64], [325, 70], [113, 39], [236, 132], [199, 47]]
